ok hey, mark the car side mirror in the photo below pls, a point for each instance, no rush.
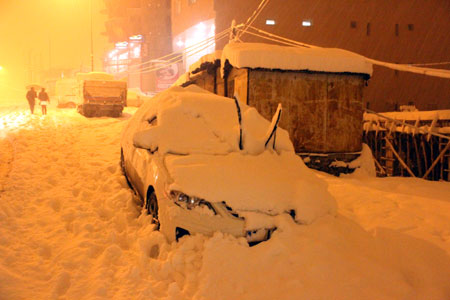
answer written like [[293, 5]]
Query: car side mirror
[[144, 140]]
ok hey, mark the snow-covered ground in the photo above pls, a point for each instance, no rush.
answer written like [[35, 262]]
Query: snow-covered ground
[[70, 228]]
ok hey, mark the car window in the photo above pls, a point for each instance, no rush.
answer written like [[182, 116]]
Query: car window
[[148, 123]]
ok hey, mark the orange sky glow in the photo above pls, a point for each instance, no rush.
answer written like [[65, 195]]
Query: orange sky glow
[[47, 34]]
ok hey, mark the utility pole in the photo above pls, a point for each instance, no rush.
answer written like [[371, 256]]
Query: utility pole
[[49, 53], [92, 41], [30, 67]]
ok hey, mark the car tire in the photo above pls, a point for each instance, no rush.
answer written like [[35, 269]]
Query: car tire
[[151, 205], [122, 162], [124, 171]]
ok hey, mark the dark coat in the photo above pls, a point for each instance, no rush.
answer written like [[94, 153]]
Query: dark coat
[[43, 96], [31, 95]]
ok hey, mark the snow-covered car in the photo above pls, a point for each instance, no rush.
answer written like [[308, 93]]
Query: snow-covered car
[[135, 97], [203, 163]]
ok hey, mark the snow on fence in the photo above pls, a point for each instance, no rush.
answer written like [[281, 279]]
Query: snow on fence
[[415, 144]]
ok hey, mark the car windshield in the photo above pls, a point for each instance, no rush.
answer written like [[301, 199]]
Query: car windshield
[[192, 120]]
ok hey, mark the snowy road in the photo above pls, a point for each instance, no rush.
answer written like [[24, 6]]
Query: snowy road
[[71, 229]]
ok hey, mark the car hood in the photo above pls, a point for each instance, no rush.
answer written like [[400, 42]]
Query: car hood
[[270, 183]]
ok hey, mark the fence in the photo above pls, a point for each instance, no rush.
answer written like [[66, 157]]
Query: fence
[[415, 144]]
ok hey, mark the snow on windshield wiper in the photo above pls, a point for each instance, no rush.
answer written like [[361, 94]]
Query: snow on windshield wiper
[[273, 127], [236, 101]]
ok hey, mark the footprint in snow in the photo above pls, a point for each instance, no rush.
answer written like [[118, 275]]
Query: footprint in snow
[[62, 284], [112, 169]]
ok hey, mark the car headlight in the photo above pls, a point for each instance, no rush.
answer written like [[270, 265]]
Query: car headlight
[[190, 202]]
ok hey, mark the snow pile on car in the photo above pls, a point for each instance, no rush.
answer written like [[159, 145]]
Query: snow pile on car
[[205, 129], [194, 121]]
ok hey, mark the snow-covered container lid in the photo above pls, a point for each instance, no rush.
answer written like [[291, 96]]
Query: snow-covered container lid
[[267, 56]]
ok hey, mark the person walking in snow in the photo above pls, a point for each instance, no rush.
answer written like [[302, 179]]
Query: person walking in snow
[[31, 96], [44, 100]]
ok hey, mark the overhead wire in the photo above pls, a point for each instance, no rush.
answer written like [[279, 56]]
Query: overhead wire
[[431, 64], [174, 61], [253, 17], [225, 31], [191, 50], [442, 73], [271, 39], [175, 55], [164, 65], [202, 45], [187, 49], [282, 38]]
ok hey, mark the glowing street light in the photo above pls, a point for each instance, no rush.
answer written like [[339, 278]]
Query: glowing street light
[[1, 68]]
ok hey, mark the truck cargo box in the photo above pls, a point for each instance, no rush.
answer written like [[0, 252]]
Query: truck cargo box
[[102, 98]]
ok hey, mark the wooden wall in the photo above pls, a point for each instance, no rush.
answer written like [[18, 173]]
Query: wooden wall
[[322, 112]]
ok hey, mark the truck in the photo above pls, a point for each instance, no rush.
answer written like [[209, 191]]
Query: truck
[[100, 95]]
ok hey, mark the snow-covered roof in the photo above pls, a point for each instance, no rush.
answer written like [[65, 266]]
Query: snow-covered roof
[[411, 115], [267, 56], [208, 58]]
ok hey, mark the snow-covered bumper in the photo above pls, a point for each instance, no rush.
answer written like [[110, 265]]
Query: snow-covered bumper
[[179, 221]]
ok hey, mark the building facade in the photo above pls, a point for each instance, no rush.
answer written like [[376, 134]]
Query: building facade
[[141, 31], [403, 31]]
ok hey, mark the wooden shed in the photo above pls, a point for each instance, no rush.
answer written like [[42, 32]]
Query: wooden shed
[[321, 91]]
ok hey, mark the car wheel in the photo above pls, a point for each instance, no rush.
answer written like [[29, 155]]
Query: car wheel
[[151, 206]]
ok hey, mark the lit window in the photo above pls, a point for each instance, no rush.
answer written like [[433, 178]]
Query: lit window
[[136, 51], [270, 22], [180, 43], [306, 23]]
